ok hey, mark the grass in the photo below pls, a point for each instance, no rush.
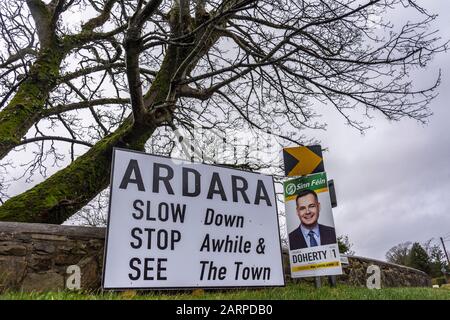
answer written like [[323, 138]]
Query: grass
[[290, 292]]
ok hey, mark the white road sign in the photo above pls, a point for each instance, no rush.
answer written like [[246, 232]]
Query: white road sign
[[178, 224]]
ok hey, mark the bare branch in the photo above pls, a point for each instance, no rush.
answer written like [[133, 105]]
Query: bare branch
[[53, 138]]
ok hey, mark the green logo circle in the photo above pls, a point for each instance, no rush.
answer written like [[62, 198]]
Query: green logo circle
[[290, 189]]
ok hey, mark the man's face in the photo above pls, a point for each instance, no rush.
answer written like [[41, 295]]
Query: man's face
[[308, 210]]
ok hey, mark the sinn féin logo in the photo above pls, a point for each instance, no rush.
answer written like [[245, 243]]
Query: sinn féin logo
[[290, 189]]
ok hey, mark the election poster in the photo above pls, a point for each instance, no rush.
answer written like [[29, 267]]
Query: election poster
[[179, 224], [313, 248]]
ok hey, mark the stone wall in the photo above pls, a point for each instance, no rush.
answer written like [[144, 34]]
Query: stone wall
[[392, 275], [35, 257]]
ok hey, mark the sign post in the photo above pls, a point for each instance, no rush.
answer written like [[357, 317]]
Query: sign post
[[313, 248], [178, 224]]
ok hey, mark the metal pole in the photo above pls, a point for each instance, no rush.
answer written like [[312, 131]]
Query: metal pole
[[317, 282], [332, 281]]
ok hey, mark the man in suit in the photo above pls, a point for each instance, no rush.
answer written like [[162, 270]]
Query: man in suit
[[310, 233]]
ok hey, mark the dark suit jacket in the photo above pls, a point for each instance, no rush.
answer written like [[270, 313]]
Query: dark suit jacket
[[297, 241]]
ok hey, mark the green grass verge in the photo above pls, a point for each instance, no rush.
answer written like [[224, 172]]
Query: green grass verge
[[290, 292]]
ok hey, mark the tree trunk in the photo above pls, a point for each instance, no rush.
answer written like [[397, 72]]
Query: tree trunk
[[67, 191]]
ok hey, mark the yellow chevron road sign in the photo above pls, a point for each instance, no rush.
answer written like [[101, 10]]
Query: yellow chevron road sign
[[300, 161]]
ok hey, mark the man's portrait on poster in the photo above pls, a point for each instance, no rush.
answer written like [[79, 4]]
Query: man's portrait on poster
[[310, 233]]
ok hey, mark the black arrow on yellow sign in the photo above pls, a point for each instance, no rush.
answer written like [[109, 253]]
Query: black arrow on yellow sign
[[300, 161]]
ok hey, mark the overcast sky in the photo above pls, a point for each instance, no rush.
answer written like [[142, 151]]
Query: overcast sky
[[393, 183]]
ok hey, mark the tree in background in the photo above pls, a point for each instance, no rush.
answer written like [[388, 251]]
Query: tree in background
[[428, 257], [418, 258], [345, 245], [438, 259], [131, 74], [399, 254]]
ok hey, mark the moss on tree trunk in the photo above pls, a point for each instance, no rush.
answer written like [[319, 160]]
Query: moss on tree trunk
[[67, 191], [26, 106]]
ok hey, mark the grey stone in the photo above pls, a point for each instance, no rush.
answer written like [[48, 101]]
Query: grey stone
[[13, 249], [4, 236], [66, 259], [12, 270], [50, 237], [46, 281], [90, 275], [66, 247], [78, 251], [44, 247], [41, 262]]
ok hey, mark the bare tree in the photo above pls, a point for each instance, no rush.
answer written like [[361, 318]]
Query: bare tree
[[37, 44], [175, 65], [399, 254]]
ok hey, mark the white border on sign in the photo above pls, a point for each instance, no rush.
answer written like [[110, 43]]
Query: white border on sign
[[183, 287]]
